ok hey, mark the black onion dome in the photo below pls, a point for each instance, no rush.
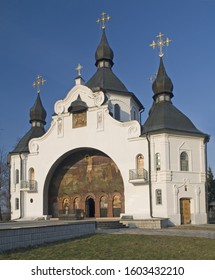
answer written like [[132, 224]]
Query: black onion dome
[[77, 106], [104, 51], [163, 115], [162, 83], [37, 112]]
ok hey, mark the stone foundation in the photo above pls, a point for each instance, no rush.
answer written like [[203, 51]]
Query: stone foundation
[[146, 223], [15, 238]]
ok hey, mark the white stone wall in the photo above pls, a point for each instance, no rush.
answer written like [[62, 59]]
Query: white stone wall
[[121, 141]]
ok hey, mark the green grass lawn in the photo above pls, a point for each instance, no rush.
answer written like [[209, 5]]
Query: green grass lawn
[[121, 247]]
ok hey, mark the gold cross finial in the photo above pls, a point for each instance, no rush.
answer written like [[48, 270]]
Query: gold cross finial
[[160, 43], [78, 68], [103, 19], [39, 81], [152, 78]]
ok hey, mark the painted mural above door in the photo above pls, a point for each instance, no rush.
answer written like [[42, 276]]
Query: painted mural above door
[[90, 174], [83, 173]]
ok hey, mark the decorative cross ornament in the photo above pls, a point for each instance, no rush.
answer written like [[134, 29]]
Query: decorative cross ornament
[[39, 81], [103, 19], [152, 78], [78, 68], [160, 43]]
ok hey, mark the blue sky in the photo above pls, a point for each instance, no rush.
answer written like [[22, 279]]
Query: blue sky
[[50, 38]]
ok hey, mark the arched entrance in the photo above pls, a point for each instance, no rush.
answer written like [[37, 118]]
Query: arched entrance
[[90, 180], [90, 207]]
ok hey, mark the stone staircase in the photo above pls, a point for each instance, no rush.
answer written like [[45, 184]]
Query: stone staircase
[[109, 225]]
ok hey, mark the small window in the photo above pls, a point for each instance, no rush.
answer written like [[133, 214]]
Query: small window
[[17, 176], [16, 203], [158, 194], [184, 164], [133, 114], [140, 165], [31, 174], [157, 162], [117, 112]]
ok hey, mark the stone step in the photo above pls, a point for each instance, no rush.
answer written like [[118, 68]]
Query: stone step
[[109, 225]]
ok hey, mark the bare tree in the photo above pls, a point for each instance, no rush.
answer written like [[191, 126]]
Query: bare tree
[[4, 186]]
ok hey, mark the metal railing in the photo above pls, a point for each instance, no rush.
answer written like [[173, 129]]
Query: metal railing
[[138, 174], [30, 185]]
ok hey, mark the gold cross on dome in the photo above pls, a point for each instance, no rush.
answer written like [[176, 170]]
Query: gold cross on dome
[[103, 19], [78, 68], [39, 81], [160, 43], [153, 77]]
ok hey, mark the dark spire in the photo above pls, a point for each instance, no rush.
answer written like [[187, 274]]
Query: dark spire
[[104, 53], [162, 83], [37, 112], [104, 77], [163, 115], [37, 120]]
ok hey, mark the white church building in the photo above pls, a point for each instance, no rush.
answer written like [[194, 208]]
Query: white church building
[[97, 160]]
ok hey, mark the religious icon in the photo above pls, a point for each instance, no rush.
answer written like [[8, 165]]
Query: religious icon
[[79, 119]]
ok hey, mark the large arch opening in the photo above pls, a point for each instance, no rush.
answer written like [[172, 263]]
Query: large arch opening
[[84, 182]]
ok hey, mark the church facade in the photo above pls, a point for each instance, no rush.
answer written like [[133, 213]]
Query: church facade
[[97, 160]]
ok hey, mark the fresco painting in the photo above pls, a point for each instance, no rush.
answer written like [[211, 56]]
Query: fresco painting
[[83, 174]]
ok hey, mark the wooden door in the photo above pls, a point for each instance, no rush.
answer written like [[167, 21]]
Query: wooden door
[[185, 211]]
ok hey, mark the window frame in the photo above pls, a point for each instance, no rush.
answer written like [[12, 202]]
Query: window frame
[[184, 162], [157, 162], [158, 196]]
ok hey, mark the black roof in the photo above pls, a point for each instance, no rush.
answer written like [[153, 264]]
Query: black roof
[[22, 146], [105, 78], [164, 116]]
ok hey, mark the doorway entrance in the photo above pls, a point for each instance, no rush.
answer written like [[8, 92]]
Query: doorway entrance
[[185, 211], [90, 207]]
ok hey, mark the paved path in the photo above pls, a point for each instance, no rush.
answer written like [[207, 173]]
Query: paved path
[[207, 232]]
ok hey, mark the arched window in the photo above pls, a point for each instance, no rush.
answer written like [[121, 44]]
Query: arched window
[[157, 162], [77, 203], [116, 206], [17, 176], [31, 174], [133, 114], [103, 206], [184, 162], [117, 112], [140, 165]]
